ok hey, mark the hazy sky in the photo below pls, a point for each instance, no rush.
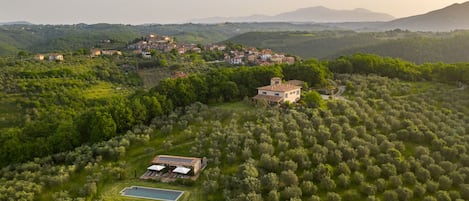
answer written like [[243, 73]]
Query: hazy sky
[[178, 11]]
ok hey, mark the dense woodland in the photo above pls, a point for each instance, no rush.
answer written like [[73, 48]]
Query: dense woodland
[[401, 133]]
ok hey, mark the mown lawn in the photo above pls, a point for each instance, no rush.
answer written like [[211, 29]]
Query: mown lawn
[[234, 106]]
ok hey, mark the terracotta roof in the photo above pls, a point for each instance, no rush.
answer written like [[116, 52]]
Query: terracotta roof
[[268, 98], [175, 160], [279, 87]]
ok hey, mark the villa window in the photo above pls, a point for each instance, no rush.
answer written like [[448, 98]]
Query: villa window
[[277, 94], [265, 93], [286, 95]]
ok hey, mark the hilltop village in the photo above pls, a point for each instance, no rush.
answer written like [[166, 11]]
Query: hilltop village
[[233, 56], [147, 47]]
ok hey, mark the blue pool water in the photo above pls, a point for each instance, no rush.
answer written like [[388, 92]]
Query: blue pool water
[[152, 193]]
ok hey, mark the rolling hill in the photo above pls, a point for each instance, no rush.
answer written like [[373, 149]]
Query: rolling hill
[[446, 19], [45, 38], [419, 47]]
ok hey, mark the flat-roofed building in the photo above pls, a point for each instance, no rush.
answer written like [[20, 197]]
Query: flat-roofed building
[[179, 161]]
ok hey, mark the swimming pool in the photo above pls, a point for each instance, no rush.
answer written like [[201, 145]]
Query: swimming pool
[[152, 193]]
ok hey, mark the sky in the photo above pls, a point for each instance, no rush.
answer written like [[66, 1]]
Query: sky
[[181, 11]]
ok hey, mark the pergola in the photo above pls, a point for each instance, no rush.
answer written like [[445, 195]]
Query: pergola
[[156, 167], [182, 170]]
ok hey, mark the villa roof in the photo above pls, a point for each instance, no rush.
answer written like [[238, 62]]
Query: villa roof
[[175, 160], [279, 87], [276, 99]]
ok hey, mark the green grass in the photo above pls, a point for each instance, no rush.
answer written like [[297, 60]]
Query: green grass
[[234, 106]]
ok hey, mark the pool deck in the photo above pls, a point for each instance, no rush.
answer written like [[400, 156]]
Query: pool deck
[[166, 177], [122, 192]]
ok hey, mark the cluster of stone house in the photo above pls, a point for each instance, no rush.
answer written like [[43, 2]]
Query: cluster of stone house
[[51, 57], [253, 56], [215, 47], [162, 43], [154, 42]]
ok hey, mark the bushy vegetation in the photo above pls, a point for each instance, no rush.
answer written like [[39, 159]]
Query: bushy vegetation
[[54, 107], [397, 68], [400, 134], [388, 142], [391, 140], [45, 102]]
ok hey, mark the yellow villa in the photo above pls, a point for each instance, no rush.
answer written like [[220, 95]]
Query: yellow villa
[[278, 92]]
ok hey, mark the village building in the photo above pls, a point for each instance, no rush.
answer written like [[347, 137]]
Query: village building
[[277, 59], [265, 57], [278, 92], [95, 52], [111, 52], [56, 57], [290, 60], [252, 59], [196, 50], [252, 50], [39, 57], [181, 50], [234, 60], [215, 48], [146, 54]]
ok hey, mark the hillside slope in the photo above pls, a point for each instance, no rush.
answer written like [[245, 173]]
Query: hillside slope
[[445, 19], [417, 47], [46, 38]]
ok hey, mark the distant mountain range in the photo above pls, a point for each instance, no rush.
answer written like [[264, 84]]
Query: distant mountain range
[[317, 14], [449, 18], [15, 23], [453, 17]]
